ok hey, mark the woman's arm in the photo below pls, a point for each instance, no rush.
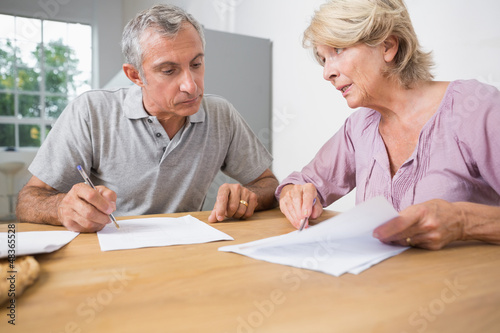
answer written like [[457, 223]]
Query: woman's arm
[[436, 223]]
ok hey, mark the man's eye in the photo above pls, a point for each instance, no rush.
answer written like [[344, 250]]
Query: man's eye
[[168, 72], [197, 65]]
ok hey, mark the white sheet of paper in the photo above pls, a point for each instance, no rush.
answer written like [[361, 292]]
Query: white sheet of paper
[[157, 231], [33, 242], [338, 245]]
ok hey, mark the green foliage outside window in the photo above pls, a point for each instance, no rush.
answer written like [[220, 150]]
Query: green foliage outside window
[[7, 132], [34, 93]]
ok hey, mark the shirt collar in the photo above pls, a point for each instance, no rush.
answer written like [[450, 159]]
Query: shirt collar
[[134, 109]]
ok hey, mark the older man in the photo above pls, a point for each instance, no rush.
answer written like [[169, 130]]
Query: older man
[[152, 148]]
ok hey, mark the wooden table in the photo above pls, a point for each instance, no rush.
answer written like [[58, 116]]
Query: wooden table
[[195, 288]]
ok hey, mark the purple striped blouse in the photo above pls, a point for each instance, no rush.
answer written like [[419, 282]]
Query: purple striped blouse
[[457, 157]]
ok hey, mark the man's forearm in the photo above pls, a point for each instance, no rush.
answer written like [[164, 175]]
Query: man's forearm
[[264, 189], [38, 205]]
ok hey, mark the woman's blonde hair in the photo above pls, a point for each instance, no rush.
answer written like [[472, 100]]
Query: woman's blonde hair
[[344, 23]]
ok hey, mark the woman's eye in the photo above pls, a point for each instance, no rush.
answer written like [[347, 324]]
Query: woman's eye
[[338, 51]]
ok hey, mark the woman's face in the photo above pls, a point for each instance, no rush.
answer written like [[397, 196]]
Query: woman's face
[[356, 72]]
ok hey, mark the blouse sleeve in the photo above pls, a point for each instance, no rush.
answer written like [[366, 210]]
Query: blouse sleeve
[[480, 113], [332, 171]]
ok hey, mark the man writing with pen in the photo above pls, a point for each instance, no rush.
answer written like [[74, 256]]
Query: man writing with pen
[[152, 148]]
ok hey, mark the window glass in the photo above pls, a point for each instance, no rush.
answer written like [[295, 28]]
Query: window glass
[[7, 135], [28, 30], [29, 106], [29, 136], [27, 54], [47, 129], [54, 105], [7, 27], [82, 46], [28, 79], [54, 31], [56, 80], [43, 65], [7, 64], [6, 104]]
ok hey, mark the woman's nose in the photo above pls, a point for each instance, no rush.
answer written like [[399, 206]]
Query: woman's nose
[[329, 71]]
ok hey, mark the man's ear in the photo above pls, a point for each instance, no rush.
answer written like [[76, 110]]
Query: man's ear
[[133, 74], [391, 46]]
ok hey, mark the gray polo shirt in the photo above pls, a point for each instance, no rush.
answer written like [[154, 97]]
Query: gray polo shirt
[[125, 149]]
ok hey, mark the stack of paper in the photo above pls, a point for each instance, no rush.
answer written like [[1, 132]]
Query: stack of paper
[[158, 231], [338, 245], [33, 242]]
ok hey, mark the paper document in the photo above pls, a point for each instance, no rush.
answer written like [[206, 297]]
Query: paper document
[[335, 246], [33, 242], [158, 231]]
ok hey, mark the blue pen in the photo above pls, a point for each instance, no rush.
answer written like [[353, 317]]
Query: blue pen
[[305, 219], [89, 182]]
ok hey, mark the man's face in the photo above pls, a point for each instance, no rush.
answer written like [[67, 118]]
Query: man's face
[[173, 70]]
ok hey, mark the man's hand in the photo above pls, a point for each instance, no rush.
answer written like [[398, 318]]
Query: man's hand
[[84, 209], [296, 203], [233, 201], [240, 201]]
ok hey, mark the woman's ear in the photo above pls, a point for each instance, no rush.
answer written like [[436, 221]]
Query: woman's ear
[[133, 74], [391, 46]]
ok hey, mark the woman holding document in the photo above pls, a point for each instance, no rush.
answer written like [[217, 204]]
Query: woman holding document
[[430, 148]]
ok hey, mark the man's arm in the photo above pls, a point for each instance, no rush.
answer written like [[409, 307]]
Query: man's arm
[[82, 209], [240, 201]]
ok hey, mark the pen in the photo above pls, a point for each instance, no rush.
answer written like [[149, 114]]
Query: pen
[[89, 182], [304, 220]]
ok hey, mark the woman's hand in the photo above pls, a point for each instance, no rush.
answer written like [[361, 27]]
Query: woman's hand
[[296, 203], [429, 225]]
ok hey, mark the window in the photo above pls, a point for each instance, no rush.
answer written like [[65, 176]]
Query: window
[[43, 65]]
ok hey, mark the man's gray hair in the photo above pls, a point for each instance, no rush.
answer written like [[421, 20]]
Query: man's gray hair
[[165, 19]]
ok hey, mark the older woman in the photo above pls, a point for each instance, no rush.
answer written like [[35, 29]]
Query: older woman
[[431, 148]]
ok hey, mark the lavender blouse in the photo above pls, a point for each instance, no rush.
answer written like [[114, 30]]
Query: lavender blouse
[[457, 157]]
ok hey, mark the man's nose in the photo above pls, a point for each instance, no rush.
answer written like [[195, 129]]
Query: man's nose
[[188, 83]]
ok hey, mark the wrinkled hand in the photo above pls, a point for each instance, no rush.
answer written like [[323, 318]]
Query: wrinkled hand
[[296, 203], [429, 225], [84, 209], [228, 203]]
